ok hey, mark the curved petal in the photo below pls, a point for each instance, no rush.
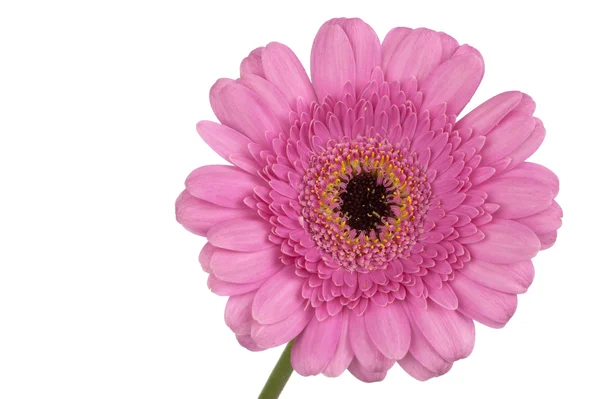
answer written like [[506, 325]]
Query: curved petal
[[544, 222], [517, 196], [199, 216], [253, 63], [247, 342], [205, 256], [547, 240], [363, 347], [332, 62], [223, 185], [423, 353], [244, 267], [285, 71], [505, 241], [222, 139], [489, 114], [454, 82], [529, 146], [238, 313], [244, 235], [536, 172], [505, 138], [511, 279], [490, 307], [448, 332], [365, 375], [416, 370], [449, 46], [365, 46], [390, 43], [279, 297], [271, 96], [224, 288], [418, 54], [243, 110], [443, 296], [272, 335], [315, 346], [389, 328], [343, 354]]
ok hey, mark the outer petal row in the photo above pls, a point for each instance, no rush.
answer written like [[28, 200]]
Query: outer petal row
[[344, 50]]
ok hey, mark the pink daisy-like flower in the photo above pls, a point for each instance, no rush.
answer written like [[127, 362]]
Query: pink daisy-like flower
[[360, 217]]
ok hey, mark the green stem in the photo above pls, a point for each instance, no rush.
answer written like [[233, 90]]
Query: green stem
[[279, 376]]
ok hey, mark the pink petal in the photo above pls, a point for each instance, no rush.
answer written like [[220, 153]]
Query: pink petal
[[389, 328], [390, 43], [365, 47], [418, 54], [418, 371], [285, 71], [223, 140], [449, 333], [424, 353], [205, 256], [481, 174], [443, 186], [216, 88], [363, 374], [315, 346], [223, 185], [284, 189], [279, 297], [244, 235], [272, 335], [511, 279], [199, 216], [253, 63], [443, 296], [343, 353], [245, 162], [536, 172], [224, 288], [547, 240], [506, 137], [490, 307], [505, 241], [529, 146], [332, 62], [238, 313], [517, 196], [271, 96], [243, 110], [449, 45], [450, 202], [526, 106], [489, 114], [244, 267], [544, 222], [454, 82], [247, 342], [363, 347]]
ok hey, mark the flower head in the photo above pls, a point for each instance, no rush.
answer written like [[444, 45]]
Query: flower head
[[360, 217]]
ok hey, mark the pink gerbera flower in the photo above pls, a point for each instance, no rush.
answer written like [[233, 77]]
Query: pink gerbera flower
[[360, 217]]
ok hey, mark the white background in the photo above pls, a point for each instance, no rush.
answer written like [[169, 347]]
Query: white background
[[101, 295]]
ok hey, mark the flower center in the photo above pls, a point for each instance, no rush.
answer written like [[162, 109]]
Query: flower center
[[364, 202]]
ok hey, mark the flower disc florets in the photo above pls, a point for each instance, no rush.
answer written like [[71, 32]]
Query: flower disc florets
[[365, 201]]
